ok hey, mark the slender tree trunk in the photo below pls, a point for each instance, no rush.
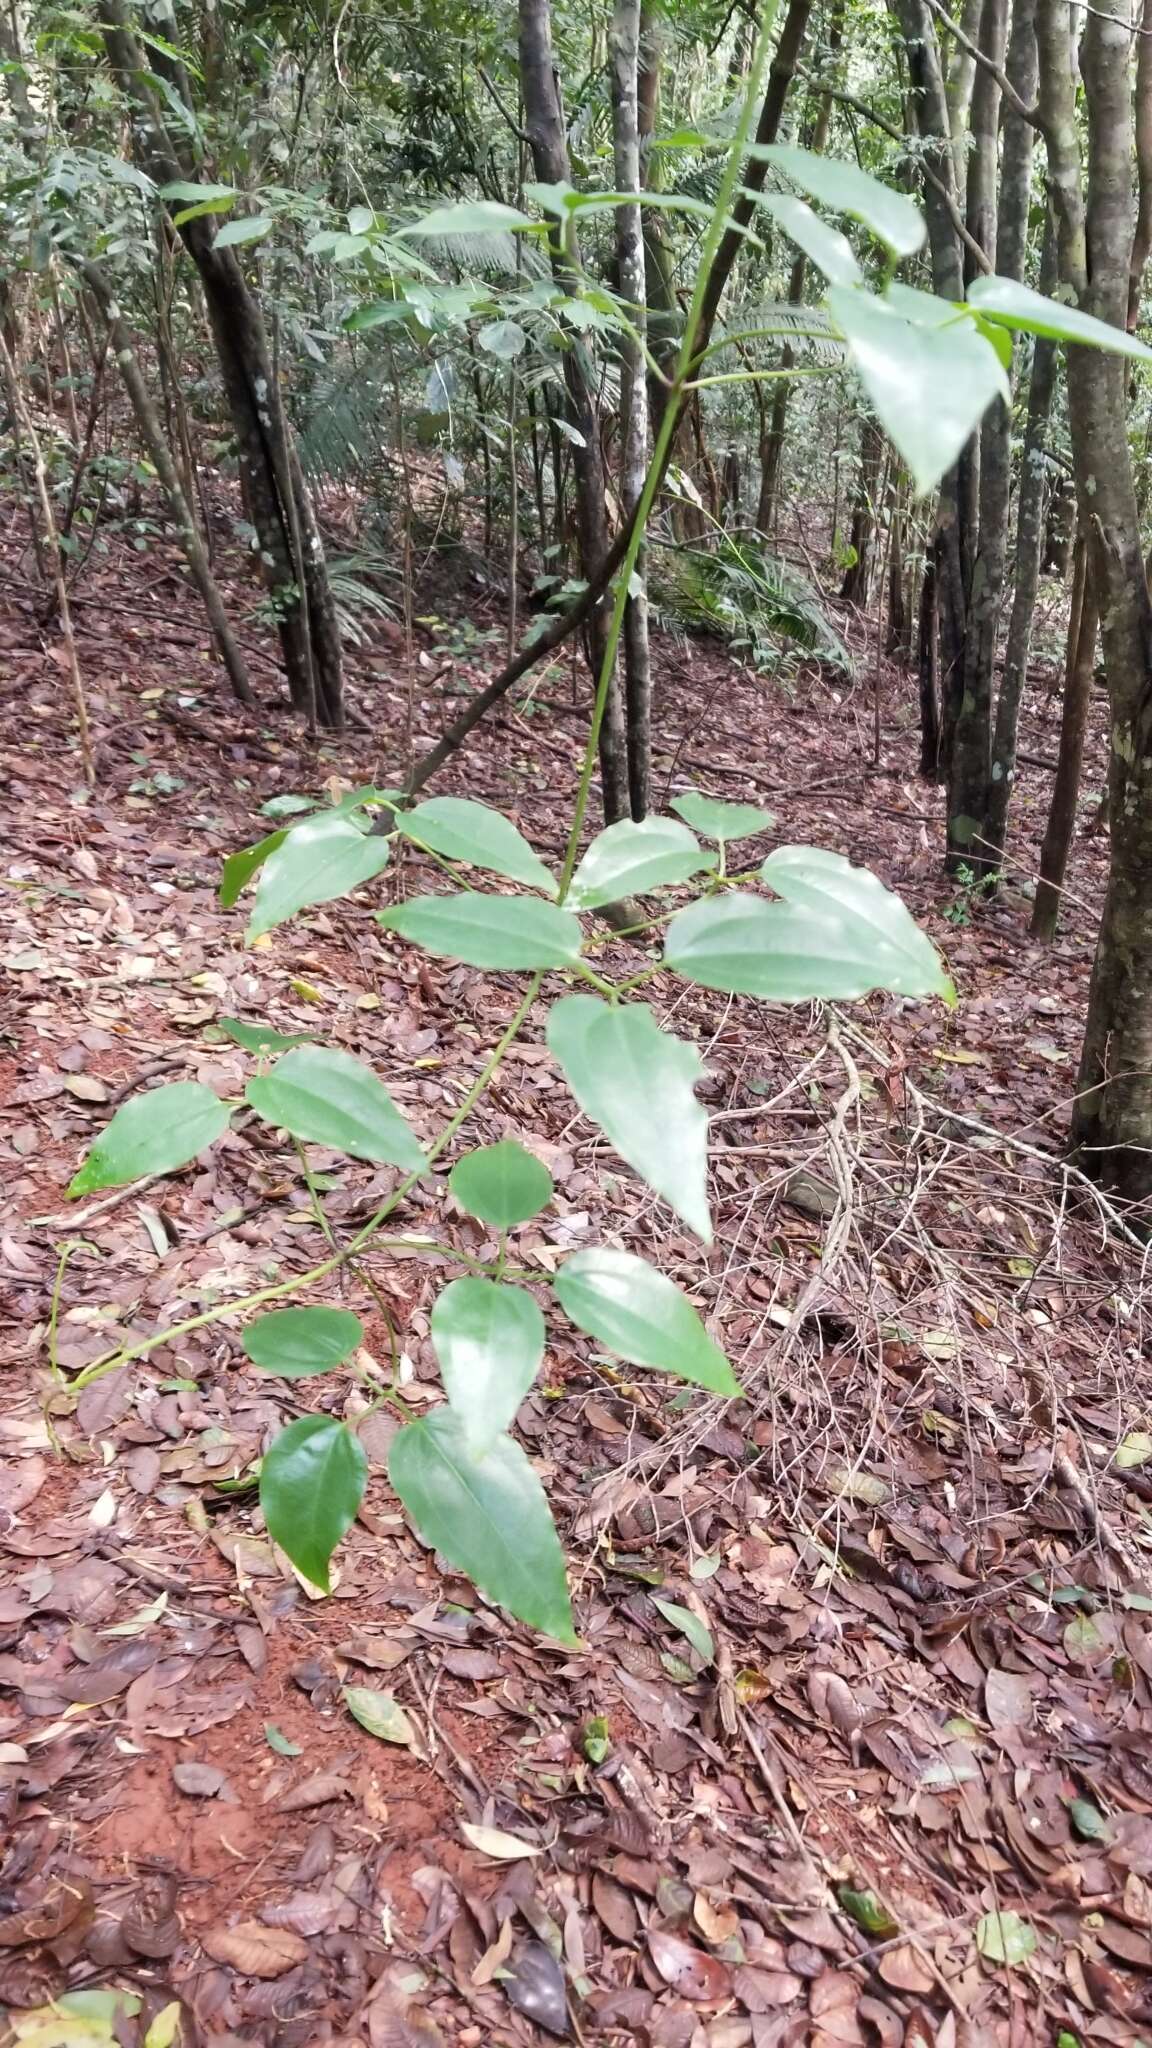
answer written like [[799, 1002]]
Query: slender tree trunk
[[625, 47], [927, 665], [1079, 668], [858, 575], [544, 122], [1112, 1122]]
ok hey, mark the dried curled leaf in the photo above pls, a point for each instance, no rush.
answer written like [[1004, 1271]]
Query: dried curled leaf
[[702, 1978], [255, 1950]]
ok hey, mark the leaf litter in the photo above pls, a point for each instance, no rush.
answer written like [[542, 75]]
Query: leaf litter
[[900, 1793]]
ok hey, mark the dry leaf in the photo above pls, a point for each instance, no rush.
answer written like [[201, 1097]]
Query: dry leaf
[[689, 1970], [255, 1950], [494, 1842], [903, 1969], [494, 1956]]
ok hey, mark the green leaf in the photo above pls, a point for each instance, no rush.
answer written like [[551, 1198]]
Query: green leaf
[[260, 1038], [689, 1625], [472, 217], [460, 829], [827, 248], [517, 932], [642, 1316], [1135, 1450], [887, 214], [629, 859], [636, 1082], [840, 934], [293, 1342], [1005, 1938], [380, 1714], [329, 1098], [1088, 1821], [288, 806], [868, 1911], [501, 1184], [1014, 305], [716, 819], [930, 385], [312, 1481], [321, 858], [489, 1339], [239, 868], [252, 228], [277, 1740], [196, 194], [487, 1515], [504, 339], [153, 1133]]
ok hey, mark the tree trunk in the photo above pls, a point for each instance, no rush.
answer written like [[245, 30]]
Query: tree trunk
[[1079, 666], [858, 575], [547, 141], [625, 47], [1112, 1121], [927, 664]]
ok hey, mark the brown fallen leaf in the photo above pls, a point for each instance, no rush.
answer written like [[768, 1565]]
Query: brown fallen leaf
[[105, 1679], [255, 1950], [832, 2000], [695, 1975], [716, 1923], [46, 1917], [1007, 1699], [318, 1790], [765, 1990], [903, 1970], [494, 1956], [391, 2025], [199, 1781], [615, 1906]]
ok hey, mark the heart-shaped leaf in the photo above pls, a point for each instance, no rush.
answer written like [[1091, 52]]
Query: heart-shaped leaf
[[642, 1316], [328, 1098], [312, 1481], [461, 829], [930, 385], [380, 1714], [489, 1339], [716, 819], [321, 858], [826, 247], [840, 934], [1016, 306], [516, 932], [629, 859], [847, 189], [636, 1082], [153, 1133], [501, 1184], [488, 1515], [294, 1342]]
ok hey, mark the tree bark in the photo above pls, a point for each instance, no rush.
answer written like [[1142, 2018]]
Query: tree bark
[[1079, 667], [927, 664], [858, 575], [625, 47]]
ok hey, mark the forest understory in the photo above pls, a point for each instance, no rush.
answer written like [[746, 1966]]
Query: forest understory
[[878, 1771]]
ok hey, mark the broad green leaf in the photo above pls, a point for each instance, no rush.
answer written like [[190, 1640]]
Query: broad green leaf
[[260, 1038], [1005, 1938], [636, 1082], [501, 1184], [329, 1098], [153, 1133], [252, 229], [277, 1740], [293, 1342], [504, 339], [312, 1480], [1014, 305], [1088, 1822], [487, 1515], [489, 1339], [321, 858], [930, 386], [868, 1911], [846, 189], [288, 806], [827, 248], [516, 932], [239, 868], [642, 1316], [380, 1714], [840, 934], [195, 194], [472, 217], [629, 859], [1135, 1450], [689, 1625], [716, 819], [461, 829]]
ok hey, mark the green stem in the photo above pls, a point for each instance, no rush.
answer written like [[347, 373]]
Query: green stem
[[67, 1251]]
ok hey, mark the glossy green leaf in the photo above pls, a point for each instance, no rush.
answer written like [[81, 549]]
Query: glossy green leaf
[[153, 1133], [868, 1911], [1088, 1822], [321, 858], [839, 934], [826, 247], [487, 1515], [252, 229], [1025, 311], [260, 1038], [460, 829], [515, 932], [716, 819], [312, 1480], [637, 1082], [380, 1714], [847, 189], [328, 1098], [197, 195], [240, 867], [1005, 1938], [629, 859], [689, 1625], [489, 1339], [471, 217], [288, 806], [294, 1342], [501, 1184], [930, 385], [642, 1316], [504, 339]]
